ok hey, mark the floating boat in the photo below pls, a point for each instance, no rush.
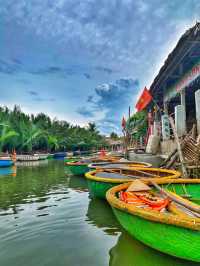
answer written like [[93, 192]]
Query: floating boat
[[6, 161], [100, 181], [58, 155], [77, 168], [118, 165], [174, 229], [72, 159]]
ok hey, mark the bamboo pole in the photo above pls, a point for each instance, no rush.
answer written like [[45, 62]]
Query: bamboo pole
[[178, 147]]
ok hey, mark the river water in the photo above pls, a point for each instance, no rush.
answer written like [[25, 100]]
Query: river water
[[47, 218]]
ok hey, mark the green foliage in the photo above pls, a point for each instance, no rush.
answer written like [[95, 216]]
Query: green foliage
[[39, 132], [137, 125], [6, 133]]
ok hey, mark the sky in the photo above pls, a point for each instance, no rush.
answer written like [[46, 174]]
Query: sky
[[88, 60]]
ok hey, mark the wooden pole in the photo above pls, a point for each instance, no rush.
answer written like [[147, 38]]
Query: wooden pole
[[184, 171]]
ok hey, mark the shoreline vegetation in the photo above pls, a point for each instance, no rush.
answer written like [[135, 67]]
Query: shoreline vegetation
[[28, 133]]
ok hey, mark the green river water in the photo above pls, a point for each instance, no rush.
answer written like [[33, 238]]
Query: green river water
[[47, 218]]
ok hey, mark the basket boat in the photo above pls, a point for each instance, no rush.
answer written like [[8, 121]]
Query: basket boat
[[100, 181], [173, 232], [77, 168], [72, 159]]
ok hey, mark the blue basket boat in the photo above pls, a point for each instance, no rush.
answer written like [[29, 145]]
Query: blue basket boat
[[6, 162]]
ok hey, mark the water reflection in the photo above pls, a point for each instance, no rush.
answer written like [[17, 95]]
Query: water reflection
[[77, 183], [32, 163], [8, 171], [100, 215], [32, 185], [130, 252]]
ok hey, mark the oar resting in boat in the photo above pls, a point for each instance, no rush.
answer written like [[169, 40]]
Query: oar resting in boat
[[165, 222]]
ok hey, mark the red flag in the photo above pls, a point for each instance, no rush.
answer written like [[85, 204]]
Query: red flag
[[144, 100], [123, 122]]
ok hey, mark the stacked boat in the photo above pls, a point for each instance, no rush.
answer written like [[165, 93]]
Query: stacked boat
[[81, 165], [154, 205]]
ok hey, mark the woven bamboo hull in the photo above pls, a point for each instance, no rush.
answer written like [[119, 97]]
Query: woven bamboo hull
[[175, 241], [78, 169]]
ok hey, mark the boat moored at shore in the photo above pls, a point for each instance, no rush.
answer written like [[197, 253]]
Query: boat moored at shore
[[172, 229]]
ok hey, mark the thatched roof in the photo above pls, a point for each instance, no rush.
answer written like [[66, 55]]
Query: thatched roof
[[184, 55]]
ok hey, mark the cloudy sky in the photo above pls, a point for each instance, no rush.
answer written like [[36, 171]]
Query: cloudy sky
[[86, 60]]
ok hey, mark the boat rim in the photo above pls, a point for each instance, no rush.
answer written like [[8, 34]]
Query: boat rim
[[90, 175]]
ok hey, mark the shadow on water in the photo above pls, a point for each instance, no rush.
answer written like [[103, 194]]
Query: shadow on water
[[100, 214], [130, 252], [78, 183]]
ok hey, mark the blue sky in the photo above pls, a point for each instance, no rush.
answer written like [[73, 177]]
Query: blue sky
[[86, 60]]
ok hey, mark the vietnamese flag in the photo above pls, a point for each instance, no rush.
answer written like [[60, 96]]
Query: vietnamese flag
[[144, 100], [123, 122]]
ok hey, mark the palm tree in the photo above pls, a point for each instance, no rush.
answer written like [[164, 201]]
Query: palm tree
[[52, 142], [31, 135], [6, 134]]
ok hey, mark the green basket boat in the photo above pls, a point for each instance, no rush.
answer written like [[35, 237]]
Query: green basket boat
[[77, 168], [100, 181], [72, 159], [173, 233]]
